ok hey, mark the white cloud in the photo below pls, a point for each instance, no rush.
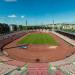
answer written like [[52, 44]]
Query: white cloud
[[12, 16], [10, 0], [22, 16]]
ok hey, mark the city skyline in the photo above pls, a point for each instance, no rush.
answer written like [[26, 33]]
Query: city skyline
[[37, 11]]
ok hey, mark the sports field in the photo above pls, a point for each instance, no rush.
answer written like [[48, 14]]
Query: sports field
[[38, 38], [42, 46]]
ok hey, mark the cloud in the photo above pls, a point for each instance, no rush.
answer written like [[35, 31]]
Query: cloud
[[10, 0], [12, 16], [22, 16]]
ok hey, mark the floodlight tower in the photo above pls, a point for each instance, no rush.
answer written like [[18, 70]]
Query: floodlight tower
[[26, 22], [53, 26], [26, 25]]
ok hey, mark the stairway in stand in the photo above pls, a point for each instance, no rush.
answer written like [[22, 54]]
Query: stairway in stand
[[37, 69]]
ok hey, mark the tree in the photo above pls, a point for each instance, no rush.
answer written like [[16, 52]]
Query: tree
[[20, 27], [15, 28], [1, 28], [4, 28]]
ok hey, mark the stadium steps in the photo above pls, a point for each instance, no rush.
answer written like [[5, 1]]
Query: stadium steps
[[68, 40], [38, 69], [35, 69], [68, 69], [5, 68]]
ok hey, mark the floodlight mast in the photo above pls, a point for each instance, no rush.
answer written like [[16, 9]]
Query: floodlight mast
[[53, 26], [26, 22], [26, 25]]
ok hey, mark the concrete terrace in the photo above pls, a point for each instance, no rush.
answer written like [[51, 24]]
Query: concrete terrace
[[70, 41]]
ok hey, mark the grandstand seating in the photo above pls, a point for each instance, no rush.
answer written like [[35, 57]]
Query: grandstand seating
[[68, 34], [68, 69], [5, 39], [12, 67], [5, 68], [36, 69]]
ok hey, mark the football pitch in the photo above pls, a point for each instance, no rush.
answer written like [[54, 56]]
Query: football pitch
[[38, 38]]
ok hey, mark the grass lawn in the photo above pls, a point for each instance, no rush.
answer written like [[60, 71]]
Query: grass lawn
[[41, 38]]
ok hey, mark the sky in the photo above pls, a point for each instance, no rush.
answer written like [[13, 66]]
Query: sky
[[37, 12]]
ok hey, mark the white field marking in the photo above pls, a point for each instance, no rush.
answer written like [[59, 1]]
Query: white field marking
[[53, 47]]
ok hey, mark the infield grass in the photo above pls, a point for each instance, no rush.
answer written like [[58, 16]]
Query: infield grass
[[38, 38]]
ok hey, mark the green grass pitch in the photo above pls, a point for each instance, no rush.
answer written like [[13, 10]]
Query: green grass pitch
[[36, 38]]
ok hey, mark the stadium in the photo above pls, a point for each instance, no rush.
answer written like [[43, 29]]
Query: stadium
[[46, 50], [39, 46], [37, 37]]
